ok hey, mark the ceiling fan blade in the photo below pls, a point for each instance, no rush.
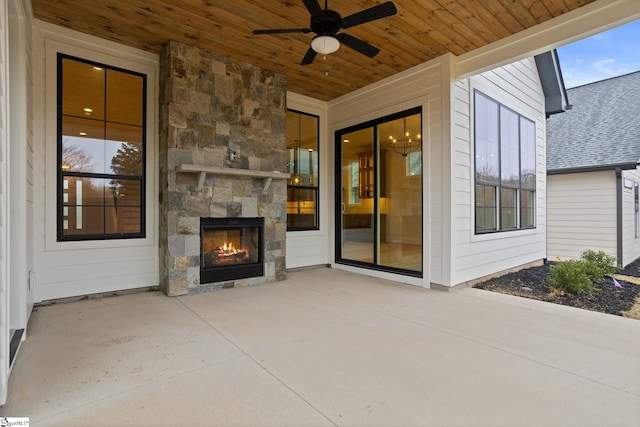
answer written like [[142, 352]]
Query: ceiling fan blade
[[358, 45], [308, 57], [371, 14], [313, 7], [283, 31]]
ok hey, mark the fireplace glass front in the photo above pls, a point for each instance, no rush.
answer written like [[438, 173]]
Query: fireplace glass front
[[231, 248]]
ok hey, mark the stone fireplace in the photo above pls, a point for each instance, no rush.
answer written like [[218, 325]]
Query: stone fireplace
[[222, 156]]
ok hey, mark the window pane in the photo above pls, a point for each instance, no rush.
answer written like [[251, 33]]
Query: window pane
[[309, 149], [486, 139], [82, 145], [485, 208], [509, 147], [508, 208], [122, 219], [123, 192], [84, 220], [301, 207], [89, 201], [82, 89], [527, 209], [399, 213], [302, 147], [304, 170], [85, 154], [83, 191], [124, 98], [528, 153], [124, 149], [356, 222]]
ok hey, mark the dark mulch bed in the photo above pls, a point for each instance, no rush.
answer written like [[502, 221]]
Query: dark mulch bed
[[532, 283]]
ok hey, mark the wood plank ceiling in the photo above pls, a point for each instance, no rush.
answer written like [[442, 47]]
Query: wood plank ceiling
[[420, 31]]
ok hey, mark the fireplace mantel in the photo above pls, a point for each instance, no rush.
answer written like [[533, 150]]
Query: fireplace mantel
[[213, 170]]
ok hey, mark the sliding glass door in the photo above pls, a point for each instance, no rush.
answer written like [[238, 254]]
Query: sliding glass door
[[379, 194]]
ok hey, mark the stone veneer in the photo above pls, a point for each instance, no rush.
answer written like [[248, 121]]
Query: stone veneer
[[211, 106]]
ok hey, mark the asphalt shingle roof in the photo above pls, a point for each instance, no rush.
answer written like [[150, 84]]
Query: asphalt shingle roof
[[602, 128]]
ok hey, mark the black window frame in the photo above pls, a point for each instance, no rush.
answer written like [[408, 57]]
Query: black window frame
[[520, 188], [316, 188], [377, 190], [60, 174]]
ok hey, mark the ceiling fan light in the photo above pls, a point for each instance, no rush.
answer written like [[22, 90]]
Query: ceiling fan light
[[325, 44]]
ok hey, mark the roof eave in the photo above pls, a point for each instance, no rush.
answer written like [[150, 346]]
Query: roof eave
[[599, 168], [555, 93]]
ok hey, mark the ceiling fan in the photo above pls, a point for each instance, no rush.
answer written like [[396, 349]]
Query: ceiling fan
[[326, 23]]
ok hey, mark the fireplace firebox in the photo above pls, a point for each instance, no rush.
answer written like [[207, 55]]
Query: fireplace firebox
[[231, 248]]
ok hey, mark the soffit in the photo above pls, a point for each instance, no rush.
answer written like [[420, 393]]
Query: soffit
[[421, 30]]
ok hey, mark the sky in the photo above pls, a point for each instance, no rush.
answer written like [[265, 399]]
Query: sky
[[605, 55]]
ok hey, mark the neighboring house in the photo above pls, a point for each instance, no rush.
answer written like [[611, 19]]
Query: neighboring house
[[469, 203], [593, 153]]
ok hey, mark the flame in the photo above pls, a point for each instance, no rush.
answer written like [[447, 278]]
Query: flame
[[229, 249], [225, 254]]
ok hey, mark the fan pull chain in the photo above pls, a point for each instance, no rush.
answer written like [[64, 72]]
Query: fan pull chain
[[326, 71]]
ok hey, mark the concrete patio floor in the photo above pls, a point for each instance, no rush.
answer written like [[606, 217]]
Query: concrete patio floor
[[326, 348]]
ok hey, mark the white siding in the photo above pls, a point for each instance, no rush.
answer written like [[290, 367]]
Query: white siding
[[516, 86], [4, 208], [453, 254], [419, 86], [309, 248], [21, 155], [581, 214], [78, 268], [630, 243]]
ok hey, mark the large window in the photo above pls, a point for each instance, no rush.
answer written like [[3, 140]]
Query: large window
[[101, 151], [302, 187], [505, 167]]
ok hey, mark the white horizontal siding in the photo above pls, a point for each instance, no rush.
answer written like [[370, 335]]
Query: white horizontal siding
[[581, 214], [21, 143], [481, 260], [423, 86], [65, 269], [305, 248], [516, 86]]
